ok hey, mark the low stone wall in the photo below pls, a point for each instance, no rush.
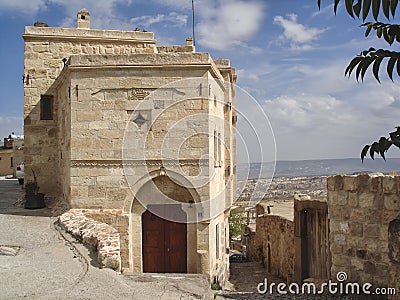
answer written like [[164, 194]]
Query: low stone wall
[[98, 235], [117, 219], [273, 243], [360, 210]]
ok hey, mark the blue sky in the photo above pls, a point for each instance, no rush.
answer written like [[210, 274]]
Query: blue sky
[[289, 56]]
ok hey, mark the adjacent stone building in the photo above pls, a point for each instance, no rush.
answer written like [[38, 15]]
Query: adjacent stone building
[[292, 239], [11, 155], [137, 136]]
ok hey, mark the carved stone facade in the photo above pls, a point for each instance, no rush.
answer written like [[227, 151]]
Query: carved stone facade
[[116, 126]]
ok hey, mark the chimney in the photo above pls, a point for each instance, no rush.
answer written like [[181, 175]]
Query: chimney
[[189, 42], [84, 19]]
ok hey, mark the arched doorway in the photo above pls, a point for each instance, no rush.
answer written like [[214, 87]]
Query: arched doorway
[[164, 248], [168, 243]]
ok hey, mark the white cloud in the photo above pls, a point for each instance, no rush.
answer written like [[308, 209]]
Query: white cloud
[[10, 124], [309, 126], [225, 24], [299, 36], [172, 19]]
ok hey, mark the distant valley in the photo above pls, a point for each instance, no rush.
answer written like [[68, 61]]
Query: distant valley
[[317, 168]]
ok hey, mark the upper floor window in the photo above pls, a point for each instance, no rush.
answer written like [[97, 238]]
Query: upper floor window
[[46, 107]]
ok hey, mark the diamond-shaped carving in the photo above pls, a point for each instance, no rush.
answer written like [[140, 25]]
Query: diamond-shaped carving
[[139, 120]]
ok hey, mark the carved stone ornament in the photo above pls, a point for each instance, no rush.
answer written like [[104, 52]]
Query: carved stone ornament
[[138, 94]]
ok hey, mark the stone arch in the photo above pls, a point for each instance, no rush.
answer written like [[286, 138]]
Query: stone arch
[[144, 187], [176, 177]]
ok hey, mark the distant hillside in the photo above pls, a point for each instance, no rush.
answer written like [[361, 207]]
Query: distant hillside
[[318, 167]]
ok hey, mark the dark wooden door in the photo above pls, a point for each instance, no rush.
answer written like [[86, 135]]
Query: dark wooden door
[[164, 245]]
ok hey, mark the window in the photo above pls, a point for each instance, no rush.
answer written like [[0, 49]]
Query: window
[[217, 240], [11, 162], [46, 107], [219, 150], [215, 149]]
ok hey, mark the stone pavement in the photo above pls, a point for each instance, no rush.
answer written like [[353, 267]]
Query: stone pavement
[[40, 261], [245, 278]]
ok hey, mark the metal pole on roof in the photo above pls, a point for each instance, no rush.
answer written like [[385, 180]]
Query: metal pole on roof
[[194, 40]]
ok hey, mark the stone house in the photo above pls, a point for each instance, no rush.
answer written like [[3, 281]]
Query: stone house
[[11, 155], [6, 161], [139, 136]]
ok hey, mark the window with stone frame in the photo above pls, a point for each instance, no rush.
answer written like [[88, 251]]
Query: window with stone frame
[[215, 149], [46, 107], [219, 150], [217, 241]]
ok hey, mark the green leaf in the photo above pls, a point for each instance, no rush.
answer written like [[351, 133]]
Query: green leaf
[[385, 8], [365, 64], [366, 8], [370, 25], [374, 149], [396, 142], [386, 35], [393, 6], [359, 68], [398, 67], [384, 145], [376, 4], [349, 7], [354, 62], [375, 68], [390, 67], [364, 152], [357, 8], [379, 32], [335, 6]]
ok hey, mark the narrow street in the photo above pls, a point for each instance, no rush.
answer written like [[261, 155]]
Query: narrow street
[[40, 261], [246, 276]]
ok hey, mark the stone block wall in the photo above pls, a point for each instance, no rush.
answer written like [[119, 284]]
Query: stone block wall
[[360, 210], [45, 49], [273, 243]]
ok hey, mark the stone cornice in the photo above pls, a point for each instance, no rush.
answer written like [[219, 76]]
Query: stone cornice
[[73, 34], [133, 163]]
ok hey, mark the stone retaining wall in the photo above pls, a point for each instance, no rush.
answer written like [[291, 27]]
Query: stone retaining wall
[[100, 236]]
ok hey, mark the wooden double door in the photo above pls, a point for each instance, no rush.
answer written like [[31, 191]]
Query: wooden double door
[[164, 244]]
